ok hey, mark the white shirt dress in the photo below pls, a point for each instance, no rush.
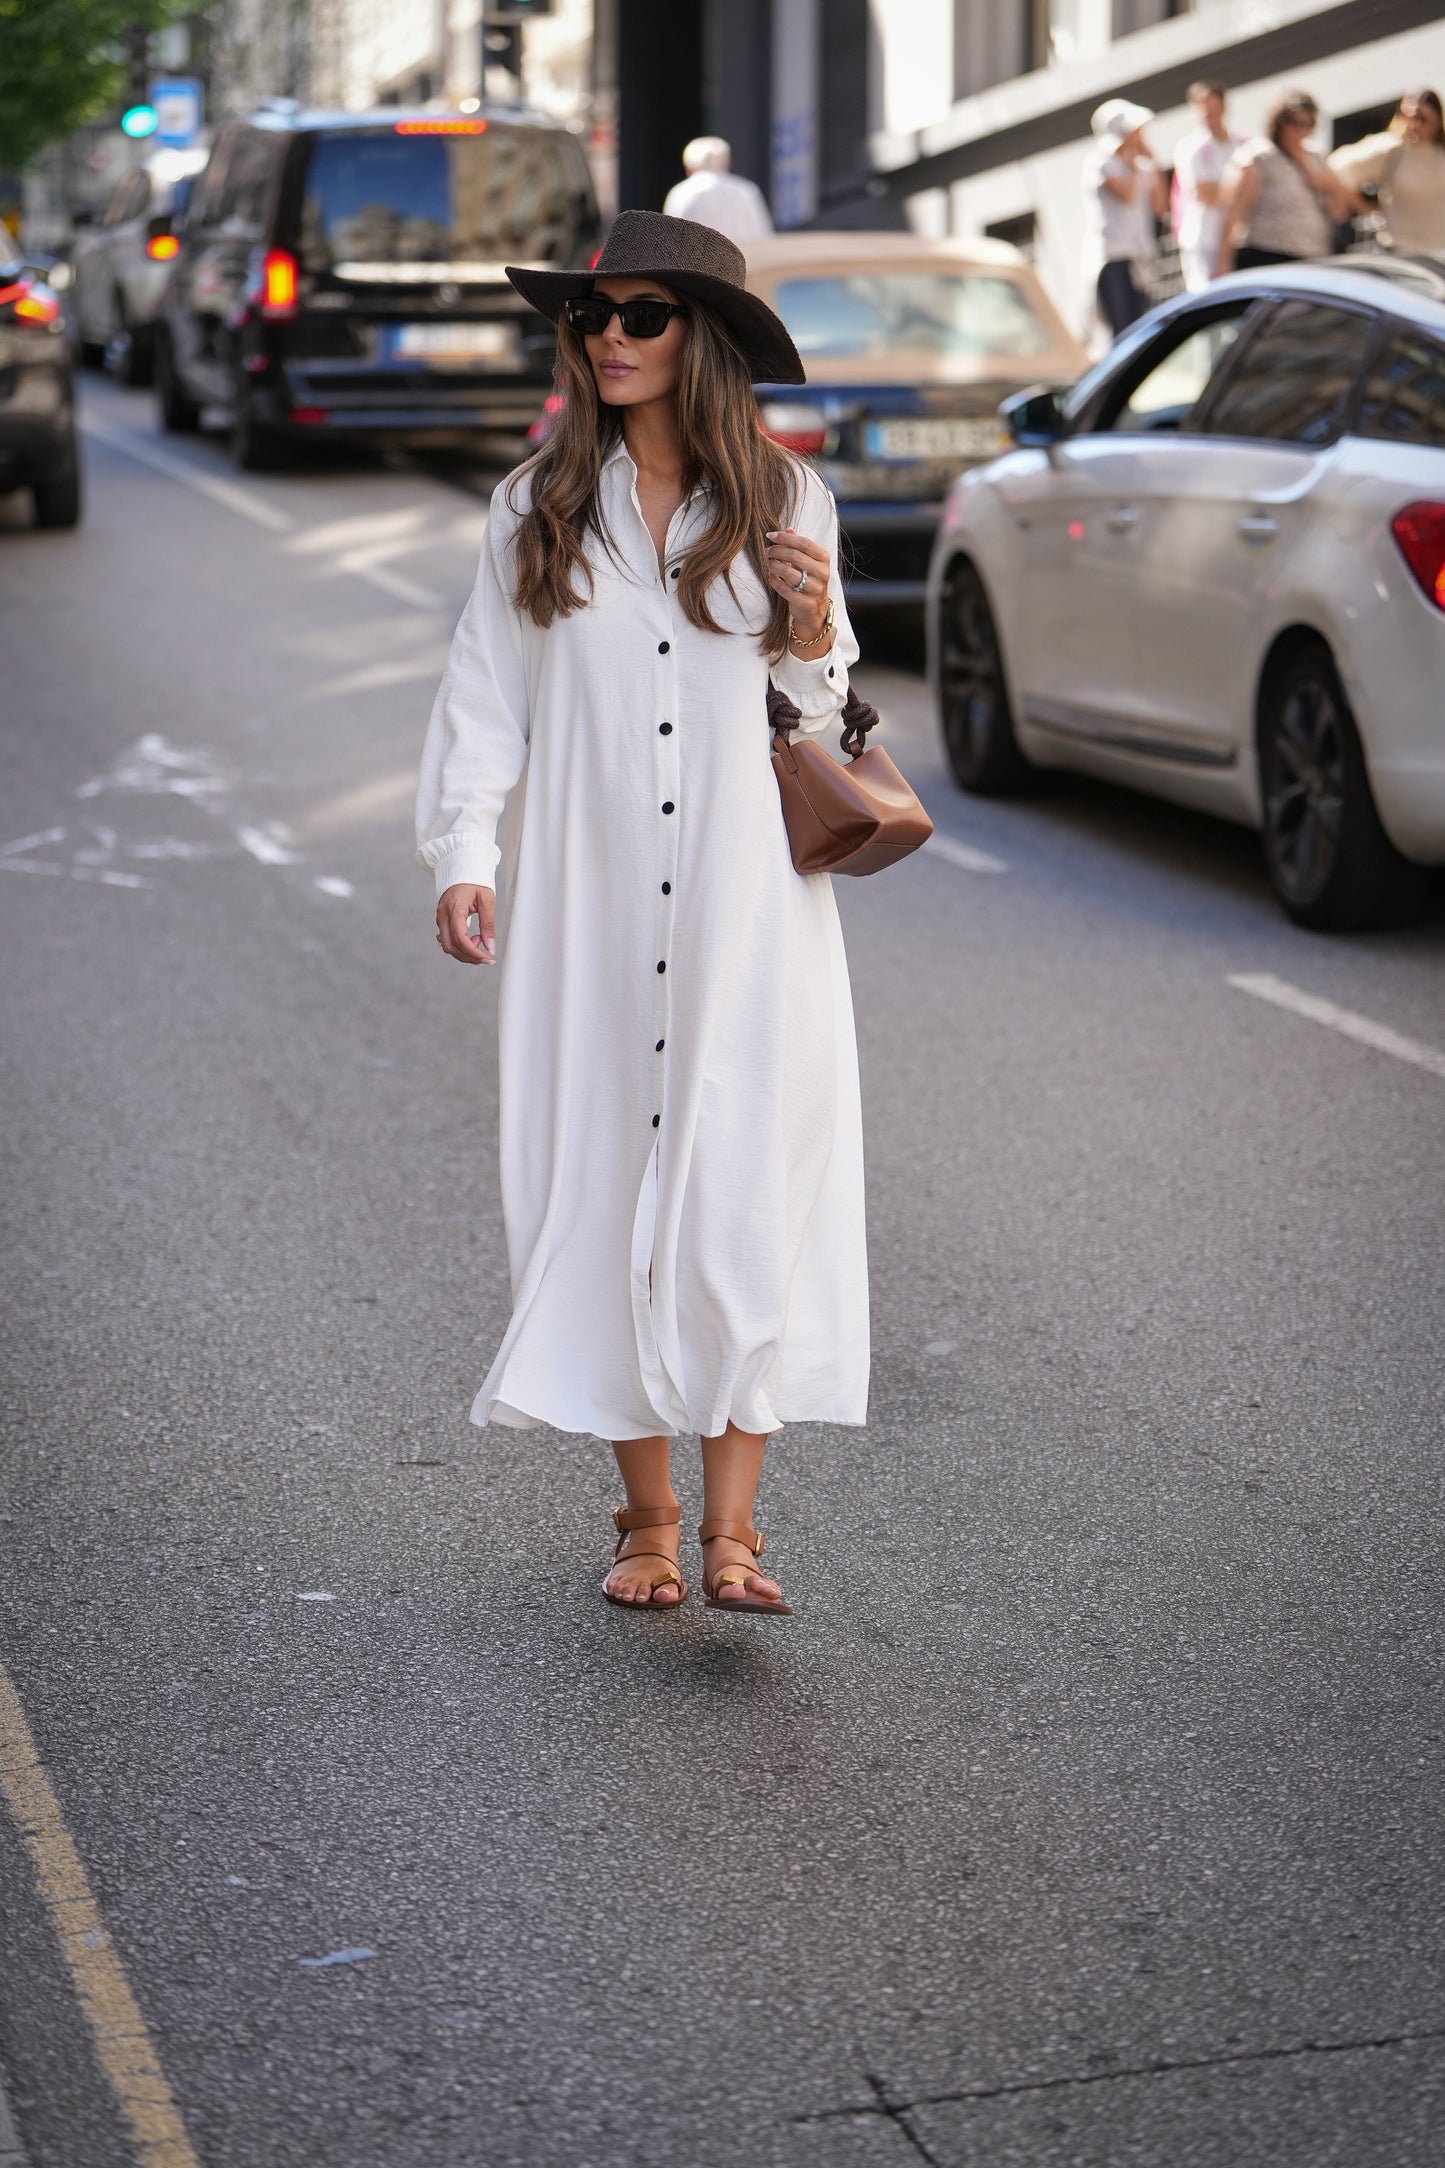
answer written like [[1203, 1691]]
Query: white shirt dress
[[681, 1141]]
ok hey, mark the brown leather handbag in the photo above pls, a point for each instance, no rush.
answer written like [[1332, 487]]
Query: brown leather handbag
[[856, 819]]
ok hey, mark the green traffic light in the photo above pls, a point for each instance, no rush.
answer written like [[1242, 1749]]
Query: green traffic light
[[140, 120]]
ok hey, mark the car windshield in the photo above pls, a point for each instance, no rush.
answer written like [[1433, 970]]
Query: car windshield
[[858, 313], [378, 199]]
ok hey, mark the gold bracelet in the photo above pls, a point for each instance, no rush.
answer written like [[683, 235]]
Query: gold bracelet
[[828, 624]]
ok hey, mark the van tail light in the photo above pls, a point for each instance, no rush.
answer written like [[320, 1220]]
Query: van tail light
[[797, 428], [278, 283], [1420, 533], [161, 247]]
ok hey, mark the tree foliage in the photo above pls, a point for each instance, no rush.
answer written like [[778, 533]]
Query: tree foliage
[[61, 62]]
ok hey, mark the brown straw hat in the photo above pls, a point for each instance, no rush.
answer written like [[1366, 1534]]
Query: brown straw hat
[[692, 259]]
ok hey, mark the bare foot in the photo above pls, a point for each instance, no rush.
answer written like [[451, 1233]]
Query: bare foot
[[639, 1574], [721, 1551]]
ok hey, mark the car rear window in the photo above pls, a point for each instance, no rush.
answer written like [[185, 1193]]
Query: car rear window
[[384, 198], [1404, 395], [1294, 380], [857, 314]]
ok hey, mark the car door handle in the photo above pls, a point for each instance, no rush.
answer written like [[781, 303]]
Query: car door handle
[[1122, 520], [1258, 527]]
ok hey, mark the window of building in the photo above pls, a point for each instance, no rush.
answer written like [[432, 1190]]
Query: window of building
[[990, 43], [1295, 380], [1404, 395]]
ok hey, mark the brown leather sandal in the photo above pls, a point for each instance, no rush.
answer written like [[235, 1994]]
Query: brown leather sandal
[[627, 1518], [737, 1532]]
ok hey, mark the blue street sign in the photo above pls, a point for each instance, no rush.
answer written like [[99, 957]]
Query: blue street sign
[[177, 100]]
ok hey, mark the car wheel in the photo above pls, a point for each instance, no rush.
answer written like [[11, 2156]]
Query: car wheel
[[1330, 862], [57, 502], [253, 446], [179, 412], [978, 732]]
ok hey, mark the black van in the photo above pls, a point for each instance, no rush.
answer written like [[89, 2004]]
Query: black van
[[341, 274]]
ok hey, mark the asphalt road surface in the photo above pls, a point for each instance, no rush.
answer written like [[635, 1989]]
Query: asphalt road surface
[[1088, 1812]]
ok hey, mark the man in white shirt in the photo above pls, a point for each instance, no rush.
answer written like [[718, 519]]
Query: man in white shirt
[[715, 196], [1199, 165]]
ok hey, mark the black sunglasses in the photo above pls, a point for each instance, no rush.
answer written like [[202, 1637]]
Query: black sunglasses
[[590, 314]]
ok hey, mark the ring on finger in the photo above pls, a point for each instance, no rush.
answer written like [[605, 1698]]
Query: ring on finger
[[802, 581]]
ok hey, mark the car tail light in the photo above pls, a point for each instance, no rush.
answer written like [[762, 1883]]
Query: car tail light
[[278, 283], [543, 426], [441, 127], [161, 247], [802, 429], [21, 298], [306, 414], [1420, 532], [596, 257]]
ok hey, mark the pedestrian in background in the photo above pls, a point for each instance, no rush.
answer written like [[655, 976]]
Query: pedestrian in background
[[1281, 201], [1405, 165], [1124, 196], [715, 196], [1200, 163], [681, 1141]]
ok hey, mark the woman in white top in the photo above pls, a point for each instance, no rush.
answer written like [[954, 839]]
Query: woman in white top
[[1406, 168], [1123, 196], [681, 1148], [1281, 201]]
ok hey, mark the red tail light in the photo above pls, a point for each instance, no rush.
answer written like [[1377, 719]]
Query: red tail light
[[542, 427], [441, 127], [31, 307], [802, 429], [161, 247], [1420, 532], [278, 283]]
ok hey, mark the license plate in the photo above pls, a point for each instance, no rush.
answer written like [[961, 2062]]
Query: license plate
[[935, 437], [455, 342]]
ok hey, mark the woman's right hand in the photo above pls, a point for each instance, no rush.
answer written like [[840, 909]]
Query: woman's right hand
[[454, 908]]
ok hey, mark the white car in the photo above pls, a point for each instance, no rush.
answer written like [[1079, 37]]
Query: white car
[[1215, 571], [121, 264]]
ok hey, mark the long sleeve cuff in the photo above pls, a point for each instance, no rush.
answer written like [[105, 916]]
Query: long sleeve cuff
[[817, 687], [462, 860]]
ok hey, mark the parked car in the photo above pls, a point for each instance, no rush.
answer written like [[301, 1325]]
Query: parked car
[[1215, 571], [38, 448], [120, 265], [909, 346], [341, 275]]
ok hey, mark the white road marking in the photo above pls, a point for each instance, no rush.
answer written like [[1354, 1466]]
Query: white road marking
[[269, 845], [1265, 987], [395, 584], [214, 486], [331, 884], [964, 855], [41, 837], [29, 865], [154, 764]]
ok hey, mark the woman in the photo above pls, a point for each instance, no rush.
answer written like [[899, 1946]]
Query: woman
[[1124, 195], [1406, 168], [1281, 201], [681, 1148]]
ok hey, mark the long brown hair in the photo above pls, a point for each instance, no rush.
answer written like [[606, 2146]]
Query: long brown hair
[[752, 483]]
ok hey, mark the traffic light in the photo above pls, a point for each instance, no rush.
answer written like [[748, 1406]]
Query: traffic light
[[514, 11], [139, 120]]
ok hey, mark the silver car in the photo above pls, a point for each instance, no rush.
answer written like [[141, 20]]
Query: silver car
[[1215, 571], [121, 264]]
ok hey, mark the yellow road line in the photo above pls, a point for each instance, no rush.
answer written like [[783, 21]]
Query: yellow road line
[[122, 2044]]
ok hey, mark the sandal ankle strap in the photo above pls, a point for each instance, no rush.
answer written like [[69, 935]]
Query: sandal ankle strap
[[626, 1518], [735, 1532]]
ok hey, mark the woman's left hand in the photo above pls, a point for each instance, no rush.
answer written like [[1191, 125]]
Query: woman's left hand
[[790, 555]]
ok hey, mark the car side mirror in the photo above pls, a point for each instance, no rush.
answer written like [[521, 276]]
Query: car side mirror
[[1034, 417]]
